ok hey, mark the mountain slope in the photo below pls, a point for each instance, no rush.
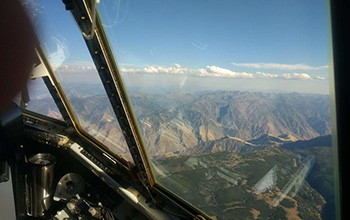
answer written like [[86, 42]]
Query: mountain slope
[[176, 124], [224, 184], [322, 176], [230, 144], [325, 141], [198, 119]]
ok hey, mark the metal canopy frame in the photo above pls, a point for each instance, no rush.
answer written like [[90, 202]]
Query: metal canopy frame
[[43, 70], [107, 68], [105, 62]]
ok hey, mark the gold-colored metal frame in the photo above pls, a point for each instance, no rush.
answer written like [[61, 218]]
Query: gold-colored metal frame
[[70, 112]]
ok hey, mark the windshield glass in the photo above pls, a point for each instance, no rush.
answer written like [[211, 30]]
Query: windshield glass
[[41, 100], [65, 48], [232, 100]]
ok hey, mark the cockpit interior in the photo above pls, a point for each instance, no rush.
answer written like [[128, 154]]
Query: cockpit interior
[[177, 110]]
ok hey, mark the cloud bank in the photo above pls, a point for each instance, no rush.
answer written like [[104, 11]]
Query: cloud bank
[[280, 66], [207, 72], [215, 71]]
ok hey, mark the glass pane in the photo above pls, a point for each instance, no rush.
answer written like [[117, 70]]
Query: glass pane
[[75, 70], [232, 100], [41, 100]]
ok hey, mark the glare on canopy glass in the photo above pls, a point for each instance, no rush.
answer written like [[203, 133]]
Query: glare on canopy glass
[[232, 101], [73, 66]]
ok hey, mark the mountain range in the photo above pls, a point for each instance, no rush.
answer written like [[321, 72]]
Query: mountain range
[[184, 124], [174, 124], [223, 145]]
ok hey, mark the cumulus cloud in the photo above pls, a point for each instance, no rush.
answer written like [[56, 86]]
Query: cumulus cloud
[[177, 65], [214, 71], [280, 66], [177, 69], [320, 78], [303, 76]]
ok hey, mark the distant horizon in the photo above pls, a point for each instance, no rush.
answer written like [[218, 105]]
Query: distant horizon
[[38, 90], [172, 79], [191, 45], [134, 90]]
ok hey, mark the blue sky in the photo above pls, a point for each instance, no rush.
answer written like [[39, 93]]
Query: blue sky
[[245, 45], [272, 31]]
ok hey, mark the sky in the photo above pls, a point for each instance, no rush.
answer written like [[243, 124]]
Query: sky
[[267, 45]]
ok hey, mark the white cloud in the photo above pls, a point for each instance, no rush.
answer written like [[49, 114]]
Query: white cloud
[[177, 69], [165, 70], [214, 71], [280, 66], [320, 78], [302, 76], [177, 65]]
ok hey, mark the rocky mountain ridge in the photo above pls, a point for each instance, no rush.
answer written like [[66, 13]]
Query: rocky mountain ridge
[[179, 124], [193, 121]]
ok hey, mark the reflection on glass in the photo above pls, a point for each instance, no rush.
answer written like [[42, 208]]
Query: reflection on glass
[[41, 100], [232, 101], [74, 68]]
